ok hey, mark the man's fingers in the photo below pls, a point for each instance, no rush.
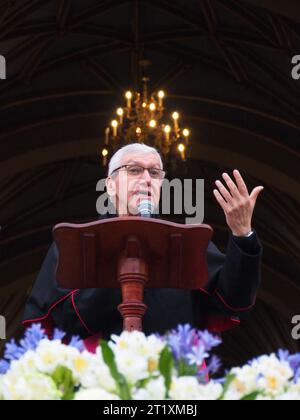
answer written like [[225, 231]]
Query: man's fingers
[[224, 192], [231, 185], [255, 193], [241, 183], [221, 200]]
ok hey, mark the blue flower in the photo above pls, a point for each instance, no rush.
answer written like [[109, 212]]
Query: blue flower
[[293, 360], [58, 335], [175, 344], [191, 348], [214, 365], [197, 356], [32, 337], [4, 367], [181, 340], [186, 337], [77, 343], [283, 355], [31, 340], [13, 351], [208, 340]]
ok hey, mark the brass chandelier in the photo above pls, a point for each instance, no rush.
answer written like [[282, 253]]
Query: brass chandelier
[[142, 120]]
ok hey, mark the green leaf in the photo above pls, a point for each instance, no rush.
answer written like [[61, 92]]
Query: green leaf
[[63, 379], [229, 379], [252, 396], [184, 369], [166, 364], [121, 383], [144, 382]]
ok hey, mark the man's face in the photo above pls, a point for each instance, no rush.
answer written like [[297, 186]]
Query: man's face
[[128, 190]]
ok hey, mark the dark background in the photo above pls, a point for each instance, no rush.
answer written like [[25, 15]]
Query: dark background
[[225, 64]]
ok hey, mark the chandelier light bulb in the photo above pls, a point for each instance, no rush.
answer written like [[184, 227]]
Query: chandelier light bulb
[[161, 95], [128, 96], [104, 156], [120, 113], [114, 125], [167, 132], [152, 123], [175, 117], [104, 152], [181, 148], [152, 107], [186, 132]]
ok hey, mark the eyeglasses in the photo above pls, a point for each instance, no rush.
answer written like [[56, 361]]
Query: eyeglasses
[[136, 171]]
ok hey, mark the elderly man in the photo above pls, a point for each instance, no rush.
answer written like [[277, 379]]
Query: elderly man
[[136, 172]]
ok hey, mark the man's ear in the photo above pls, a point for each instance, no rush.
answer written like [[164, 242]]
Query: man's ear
[[110, 184]]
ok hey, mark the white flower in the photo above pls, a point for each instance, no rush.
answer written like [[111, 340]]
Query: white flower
[[137, 342], [184, 388], [291, 394], [51, 354], [188, 388], [267, 375], [210, 392], [244, 384], [96, 373], [273, 375], [133, 367], [94, 394], [34, 386], [137, 356], [154, 390]]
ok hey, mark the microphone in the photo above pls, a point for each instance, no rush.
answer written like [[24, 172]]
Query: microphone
[[146, 208]]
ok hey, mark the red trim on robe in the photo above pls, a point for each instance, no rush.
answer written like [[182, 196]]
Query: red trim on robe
[[230, 307], [45, 317], [79, 316], [214, 323]]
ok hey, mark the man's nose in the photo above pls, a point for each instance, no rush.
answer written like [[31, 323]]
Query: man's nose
[[146, 176]]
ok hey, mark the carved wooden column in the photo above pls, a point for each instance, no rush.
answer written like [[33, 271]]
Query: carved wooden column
[[133, 274]]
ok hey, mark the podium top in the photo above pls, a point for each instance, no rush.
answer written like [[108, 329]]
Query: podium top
[[89, 253]]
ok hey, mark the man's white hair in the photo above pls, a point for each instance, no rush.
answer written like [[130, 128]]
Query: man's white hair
[[117, 159]]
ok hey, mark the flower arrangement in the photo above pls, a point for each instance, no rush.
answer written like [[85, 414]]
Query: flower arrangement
[[132, 366]]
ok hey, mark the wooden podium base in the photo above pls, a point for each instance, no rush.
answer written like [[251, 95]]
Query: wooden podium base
[[133, 274]]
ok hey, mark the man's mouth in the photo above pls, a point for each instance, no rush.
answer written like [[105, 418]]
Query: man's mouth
[[145, 193]]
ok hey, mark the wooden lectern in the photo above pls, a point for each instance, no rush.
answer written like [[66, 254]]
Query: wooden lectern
[[133, 252]]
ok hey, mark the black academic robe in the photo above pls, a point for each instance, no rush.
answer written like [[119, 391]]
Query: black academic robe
[[229, 294]]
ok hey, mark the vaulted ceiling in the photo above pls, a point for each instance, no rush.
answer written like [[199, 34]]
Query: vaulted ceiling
[[225, 64]]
